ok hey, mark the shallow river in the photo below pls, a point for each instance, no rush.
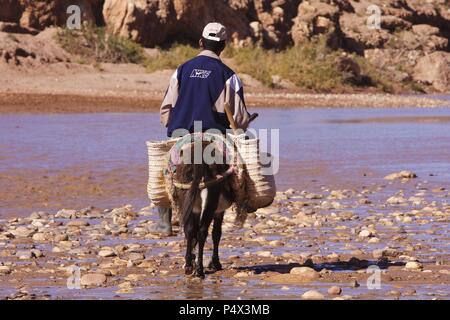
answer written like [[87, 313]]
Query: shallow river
[[337, 146], [48, 162]]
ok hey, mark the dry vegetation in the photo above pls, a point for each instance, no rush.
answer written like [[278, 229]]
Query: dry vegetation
[[312, 66], [96, 45]]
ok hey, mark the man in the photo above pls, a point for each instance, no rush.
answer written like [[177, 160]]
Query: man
[[198, 91]]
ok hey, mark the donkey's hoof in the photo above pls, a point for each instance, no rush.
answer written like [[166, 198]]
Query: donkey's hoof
[[215, 265], [188, 270], [199, 274]]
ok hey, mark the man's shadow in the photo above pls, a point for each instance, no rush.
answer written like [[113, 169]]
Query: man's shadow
[[352, 264]]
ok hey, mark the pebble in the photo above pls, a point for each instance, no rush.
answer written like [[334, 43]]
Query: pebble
[[241, 274], [106, 253], [66, 214], [365, 233], [40, 236], [22, 232], [413, 265], [405, 174], [78, 223], [5, 270], [265, 254], [93, 280], [24, 254], [334, 290], [307, 273], [396, 200], [312, 295], [135, 256]]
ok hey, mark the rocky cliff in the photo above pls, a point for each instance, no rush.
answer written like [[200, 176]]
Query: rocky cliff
[[412, 33]]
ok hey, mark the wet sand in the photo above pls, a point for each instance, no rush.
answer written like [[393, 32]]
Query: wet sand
[[74, 102], [333, 236]]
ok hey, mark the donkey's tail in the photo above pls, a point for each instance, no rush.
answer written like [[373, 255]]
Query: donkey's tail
[[192, 193]]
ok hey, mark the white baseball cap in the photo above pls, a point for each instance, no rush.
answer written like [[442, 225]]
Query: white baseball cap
[[215, 31]]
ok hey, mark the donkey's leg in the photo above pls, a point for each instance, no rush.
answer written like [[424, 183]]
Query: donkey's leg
[[216, 235], [201, 237], [190, 231]]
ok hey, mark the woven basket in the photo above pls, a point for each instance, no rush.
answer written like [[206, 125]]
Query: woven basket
[[156, 188], [261, 189]]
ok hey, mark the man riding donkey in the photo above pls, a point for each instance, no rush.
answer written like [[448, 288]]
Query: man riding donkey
[[202, 89]]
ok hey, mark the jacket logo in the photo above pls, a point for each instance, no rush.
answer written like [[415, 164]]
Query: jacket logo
[[198, 73]]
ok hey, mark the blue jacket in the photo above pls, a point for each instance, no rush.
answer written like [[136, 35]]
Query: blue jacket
[[198, 91]]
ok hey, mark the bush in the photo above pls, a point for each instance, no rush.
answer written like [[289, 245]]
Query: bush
[[171, 58], [96, 45], [312, 65]]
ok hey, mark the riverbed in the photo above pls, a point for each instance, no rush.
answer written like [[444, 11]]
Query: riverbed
[[332, 188]]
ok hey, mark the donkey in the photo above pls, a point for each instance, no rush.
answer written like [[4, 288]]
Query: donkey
[[203, 192]]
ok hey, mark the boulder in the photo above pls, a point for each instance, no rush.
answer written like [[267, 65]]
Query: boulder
[[39, 14], [418, 41], [152, 22], [434, 69], [357, 36], [317, 18]]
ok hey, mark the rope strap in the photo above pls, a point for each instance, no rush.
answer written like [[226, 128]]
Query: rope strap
[[205, 184]]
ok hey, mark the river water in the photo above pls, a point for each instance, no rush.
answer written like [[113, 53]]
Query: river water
[[48, 162], [316, 146]]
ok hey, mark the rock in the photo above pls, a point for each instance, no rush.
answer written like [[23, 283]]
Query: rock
[[306, 273], [413, 265], [365, 233], [135, 256], [425, 29], [334, 290], [66, 214], [434, 69], [42, 14], [313, 196], [409, 292], [313, 295], [416, 41], [5, 270], [378, 253], [106, 253], [268, 211], [61, 237], [24, 254], [23, 232], [37, 253], [152, 22], [40, 236], [93, 280], [401, 175], [241, 274], [314, 18], [395, 200], [77, 223], [265, 254]]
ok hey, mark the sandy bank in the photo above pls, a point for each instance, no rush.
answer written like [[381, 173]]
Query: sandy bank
[[66, 88]]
